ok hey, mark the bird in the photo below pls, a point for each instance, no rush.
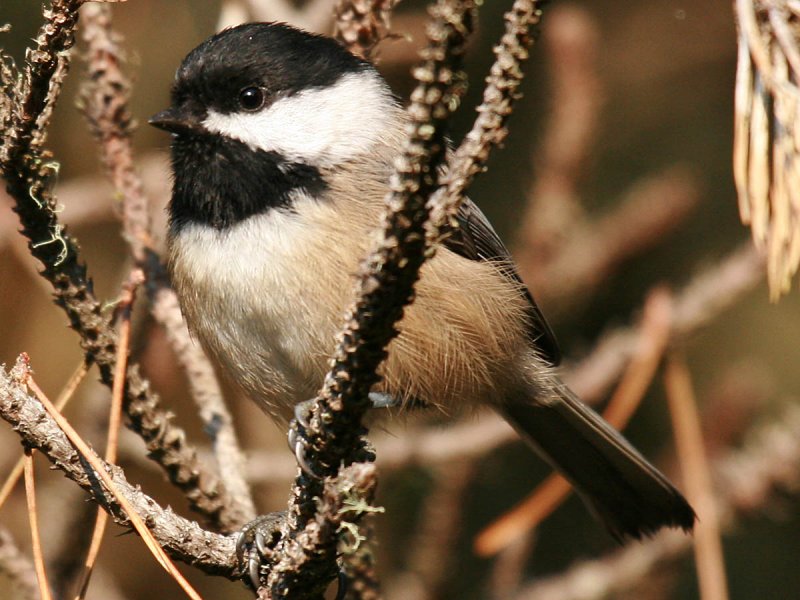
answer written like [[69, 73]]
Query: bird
[[282, 147]]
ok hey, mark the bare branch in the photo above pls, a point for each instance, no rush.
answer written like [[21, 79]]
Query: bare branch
[[105, 98], [183, 539], [33, 520], [576, 98], [358, 563], [695, 468], [500, 92], [308, 563]]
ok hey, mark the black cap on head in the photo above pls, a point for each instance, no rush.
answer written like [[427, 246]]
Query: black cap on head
[[278, 58]]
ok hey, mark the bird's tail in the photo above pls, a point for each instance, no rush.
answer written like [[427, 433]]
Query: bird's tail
[[628, 494]]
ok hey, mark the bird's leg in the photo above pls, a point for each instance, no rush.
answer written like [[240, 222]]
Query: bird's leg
[[383, 400]]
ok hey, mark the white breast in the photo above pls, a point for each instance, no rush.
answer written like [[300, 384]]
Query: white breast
[[266, 296]]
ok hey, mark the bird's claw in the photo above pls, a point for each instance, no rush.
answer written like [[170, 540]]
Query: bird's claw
[[297, 436], [343, 583], [254, 545]]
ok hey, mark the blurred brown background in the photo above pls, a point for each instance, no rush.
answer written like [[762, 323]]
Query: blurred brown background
[[659, 80]]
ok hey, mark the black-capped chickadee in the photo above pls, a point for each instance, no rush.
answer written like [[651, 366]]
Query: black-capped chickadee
[[282, 147]]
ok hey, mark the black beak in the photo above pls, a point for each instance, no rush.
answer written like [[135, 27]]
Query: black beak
[[175, 120]]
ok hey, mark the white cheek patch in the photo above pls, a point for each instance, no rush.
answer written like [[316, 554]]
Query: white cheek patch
[[321, 126]]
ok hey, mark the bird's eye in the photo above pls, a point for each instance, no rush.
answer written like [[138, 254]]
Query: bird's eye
[[251, 98]]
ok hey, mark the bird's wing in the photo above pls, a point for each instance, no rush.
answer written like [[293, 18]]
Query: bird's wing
[[475, 239]]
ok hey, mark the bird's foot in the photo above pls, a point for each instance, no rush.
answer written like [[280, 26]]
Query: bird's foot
[[255, 543], [298, 426]]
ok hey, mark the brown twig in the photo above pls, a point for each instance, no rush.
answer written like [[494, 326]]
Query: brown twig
[[85, 199], [184, 539], [70, 535], [572, 44], [502, 85], [697, 479], [63, 398], [332, 530], [104, 98], [654, 334], [23, 374], [124, 309], [510, 565], [358, 563], [576, 94], [362, 24], [562, 254]]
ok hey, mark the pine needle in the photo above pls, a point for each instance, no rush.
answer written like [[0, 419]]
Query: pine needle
[[136, 521]]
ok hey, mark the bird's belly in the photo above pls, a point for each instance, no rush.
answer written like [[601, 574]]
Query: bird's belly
[[275, 353], [269, 322]]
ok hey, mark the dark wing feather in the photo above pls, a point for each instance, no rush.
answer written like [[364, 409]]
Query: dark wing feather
[[475, 239]]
